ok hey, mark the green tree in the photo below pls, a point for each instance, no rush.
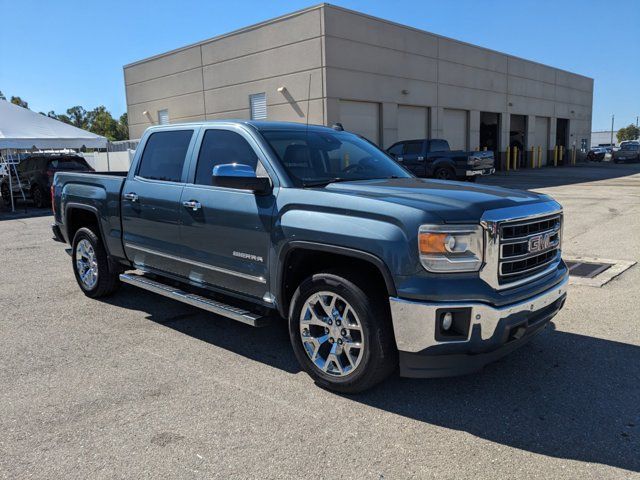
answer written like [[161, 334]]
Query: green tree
[[123, 127], [18, 101], [102, 123], [78, 117], [630, 132], [2, 97]]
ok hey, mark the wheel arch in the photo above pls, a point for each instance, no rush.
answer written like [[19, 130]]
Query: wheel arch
[[299, 259], [77, 215]]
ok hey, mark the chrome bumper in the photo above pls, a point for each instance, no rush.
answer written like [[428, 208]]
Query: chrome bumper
[[415, 323], [484, 171]]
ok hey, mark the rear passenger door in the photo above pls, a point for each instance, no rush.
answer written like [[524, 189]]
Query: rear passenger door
[[413, 157], [151, 201], [227, 236]]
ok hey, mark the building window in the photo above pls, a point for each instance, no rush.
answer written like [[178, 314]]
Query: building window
[[163, 117], [258, 103]]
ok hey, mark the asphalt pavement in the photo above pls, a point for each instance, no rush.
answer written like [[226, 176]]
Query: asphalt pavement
[[138, 386]]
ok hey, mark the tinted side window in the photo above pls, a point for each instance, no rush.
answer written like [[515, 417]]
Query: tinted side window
[[220, 147], [439, 146], [413, 148], [396, 149], [164, 155]]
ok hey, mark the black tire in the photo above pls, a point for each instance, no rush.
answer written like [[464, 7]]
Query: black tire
[[107, 277], [444, 173], [472, 178], [39, 197], [379, 357]]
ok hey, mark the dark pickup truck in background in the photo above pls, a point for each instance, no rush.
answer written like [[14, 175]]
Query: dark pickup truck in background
[[370, 266], [434, 158]]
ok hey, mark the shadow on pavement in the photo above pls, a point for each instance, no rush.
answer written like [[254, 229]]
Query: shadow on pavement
[[23, 211], [269, 345], [562, 395], [554, 177]]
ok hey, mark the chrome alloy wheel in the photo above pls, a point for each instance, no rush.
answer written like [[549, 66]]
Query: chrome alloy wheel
[[331, 334], [86, 264]]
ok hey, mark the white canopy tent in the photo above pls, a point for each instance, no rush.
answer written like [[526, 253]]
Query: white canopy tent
[[22, 129]]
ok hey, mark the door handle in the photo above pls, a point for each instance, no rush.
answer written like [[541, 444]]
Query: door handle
[[420, 158], [192, 204], [132, 197]]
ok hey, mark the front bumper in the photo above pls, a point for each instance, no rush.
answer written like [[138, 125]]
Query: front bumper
[[482, 333], [482, 171]]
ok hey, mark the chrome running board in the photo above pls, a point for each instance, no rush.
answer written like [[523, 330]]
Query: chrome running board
[[199, 301]]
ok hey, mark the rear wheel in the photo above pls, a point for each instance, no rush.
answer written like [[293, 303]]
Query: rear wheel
[[341, 333], [91, 265], [444, 173]]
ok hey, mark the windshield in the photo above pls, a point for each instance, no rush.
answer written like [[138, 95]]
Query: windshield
[[321, 157], [629, 146]]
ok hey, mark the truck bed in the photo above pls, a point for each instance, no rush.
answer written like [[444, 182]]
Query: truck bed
[[96, 192]]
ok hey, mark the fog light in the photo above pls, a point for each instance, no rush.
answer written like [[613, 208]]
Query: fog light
[[447, 321]]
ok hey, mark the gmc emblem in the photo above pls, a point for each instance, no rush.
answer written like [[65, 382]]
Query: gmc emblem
[[539, 243]]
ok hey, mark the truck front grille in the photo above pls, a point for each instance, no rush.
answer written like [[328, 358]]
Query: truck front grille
[[528, 247]]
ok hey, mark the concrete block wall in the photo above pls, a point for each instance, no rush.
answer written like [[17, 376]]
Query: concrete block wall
[[349, 56], [370, 59], [213, 79]]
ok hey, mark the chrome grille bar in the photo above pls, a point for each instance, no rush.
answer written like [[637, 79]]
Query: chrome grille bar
[[516, 237]]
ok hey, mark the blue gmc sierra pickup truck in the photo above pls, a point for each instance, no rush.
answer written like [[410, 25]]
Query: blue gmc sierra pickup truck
[[371, 267]]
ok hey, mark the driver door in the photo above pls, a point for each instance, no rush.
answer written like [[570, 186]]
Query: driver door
[[226, 232]]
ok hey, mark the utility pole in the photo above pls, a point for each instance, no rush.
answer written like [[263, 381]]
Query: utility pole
[[612, 117]]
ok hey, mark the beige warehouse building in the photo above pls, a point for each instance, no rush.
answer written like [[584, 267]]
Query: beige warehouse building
[[386, 81]]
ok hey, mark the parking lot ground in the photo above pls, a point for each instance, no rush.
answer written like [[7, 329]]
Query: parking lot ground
[[138, 386]]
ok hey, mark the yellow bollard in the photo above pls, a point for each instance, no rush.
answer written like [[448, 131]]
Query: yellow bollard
[[573, 156], [555, 155], [561, 155], [508, 157], [533, 157], [539, 156], [515, 158], [484, 149]]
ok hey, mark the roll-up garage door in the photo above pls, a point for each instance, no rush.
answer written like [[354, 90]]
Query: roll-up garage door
[[412, 122], [454, 128], [542, 137], [362, 118]]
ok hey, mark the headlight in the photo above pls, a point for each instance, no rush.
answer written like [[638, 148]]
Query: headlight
[[451, 248]]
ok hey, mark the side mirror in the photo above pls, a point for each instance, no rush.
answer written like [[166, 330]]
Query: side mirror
[[239, 176]]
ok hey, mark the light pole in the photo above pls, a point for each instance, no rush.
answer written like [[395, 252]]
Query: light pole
[[612, 117]]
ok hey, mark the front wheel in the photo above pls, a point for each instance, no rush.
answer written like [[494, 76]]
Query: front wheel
[[91, 265], [444, 173], [341, 333]]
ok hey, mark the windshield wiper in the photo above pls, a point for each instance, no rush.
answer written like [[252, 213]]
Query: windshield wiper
[[322, 183]]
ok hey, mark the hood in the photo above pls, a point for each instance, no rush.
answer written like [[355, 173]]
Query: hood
[[454, 202]]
